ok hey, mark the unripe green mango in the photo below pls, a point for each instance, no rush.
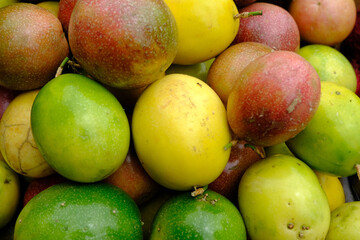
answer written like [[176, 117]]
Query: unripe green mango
[[280, 198], [79, 211], [345, 222], [330, 142]]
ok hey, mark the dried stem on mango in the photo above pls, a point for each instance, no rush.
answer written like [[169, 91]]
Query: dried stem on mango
[[247, 14]]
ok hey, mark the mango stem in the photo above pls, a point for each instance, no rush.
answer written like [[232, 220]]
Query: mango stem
[[230, 144], [198, 191], [357, 166], [256, 150], [61, 67], [247, 14]]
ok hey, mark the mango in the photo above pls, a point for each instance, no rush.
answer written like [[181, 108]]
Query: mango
[[330, 142], [280, 197], [345, 222]]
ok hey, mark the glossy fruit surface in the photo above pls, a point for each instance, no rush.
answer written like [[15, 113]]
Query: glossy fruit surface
[[333, 189], [205, 28], [52, 6], [9, 193], [179, 128], [207, 216], [329, 143], [279, 148], [79, 211], [7, 2], [330, 64], [80, 128], [280, 198], [199, 70], [345, 222]]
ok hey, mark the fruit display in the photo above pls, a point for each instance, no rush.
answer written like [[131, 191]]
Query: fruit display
[[172, 120]]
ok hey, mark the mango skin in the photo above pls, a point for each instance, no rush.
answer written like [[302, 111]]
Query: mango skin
[[179, 128], [79, 211], [124, 44], [80, 128], [10, 191], [208, 216], [330, 64], [345, 222], [330, 142], [17, 144], [274, 98], [32, 46], [280, 198], [205, 28]]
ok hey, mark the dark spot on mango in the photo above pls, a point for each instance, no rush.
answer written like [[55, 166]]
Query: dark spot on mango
[[7, 181], [337, 92], [290, 225], [304, 227]]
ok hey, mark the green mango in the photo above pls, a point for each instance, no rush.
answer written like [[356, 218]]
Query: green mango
[[79, 211], [279, 148], [198, 70], [208, 216], [280, 198], [345, 222], [330, 141]]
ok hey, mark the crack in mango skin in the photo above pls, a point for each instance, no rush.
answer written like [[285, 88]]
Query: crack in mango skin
[[16, 140]]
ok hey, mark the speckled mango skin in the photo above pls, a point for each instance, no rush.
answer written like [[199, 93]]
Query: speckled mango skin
[[32, 46], [79, 211], [330, 142], [275, 97], [124, 44], [208, 216], [275, 28], [280, 198], [80, 128]]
